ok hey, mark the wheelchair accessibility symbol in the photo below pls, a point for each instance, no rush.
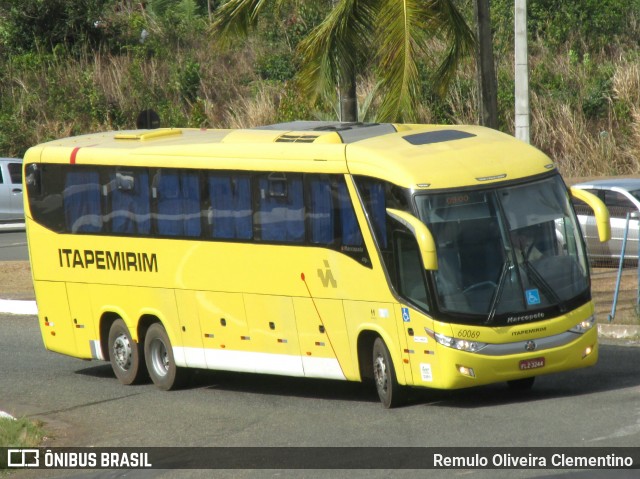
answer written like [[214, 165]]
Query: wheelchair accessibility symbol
[[405, 315], [533, 296]]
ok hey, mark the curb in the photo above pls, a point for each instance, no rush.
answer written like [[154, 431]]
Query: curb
[[13, 306], [611, 331], [12, 226], [5, 415], [619, 331]]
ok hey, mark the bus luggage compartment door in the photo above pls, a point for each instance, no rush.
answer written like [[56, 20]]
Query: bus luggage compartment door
[[54, 318]]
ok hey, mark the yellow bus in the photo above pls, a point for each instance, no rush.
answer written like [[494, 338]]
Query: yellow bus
[[410, 255]]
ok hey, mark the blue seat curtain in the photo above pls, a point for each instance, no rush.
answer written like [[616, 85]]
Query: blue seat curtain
[[190, 187], [378, 211], [321, 214], [230, 216], [280, 215], [82, 202], [178, 203], [130, 203], [351, 235]]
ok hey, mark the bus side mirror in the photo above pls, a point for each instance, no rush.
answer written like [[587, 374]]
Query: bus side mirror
[[426, 244], [599, 209]]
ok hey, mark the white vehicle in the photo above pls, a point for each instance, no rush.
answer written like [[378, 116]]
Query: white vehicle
[[621, 196], [11, 206]]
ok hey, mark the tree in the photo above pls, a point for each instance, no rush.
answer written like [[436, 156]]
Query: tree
[[487, 82], [26, 25], [389, 36]]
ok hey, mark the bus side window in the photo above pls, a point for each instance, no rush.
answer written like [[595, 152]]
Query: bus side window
[[320, 210], [410, 279], [351, 234], [377, 196], [375, 201], [130, 202], [331, 219], [230, 215], [44, 190], [177, 196], [82, 202], [279, 214]]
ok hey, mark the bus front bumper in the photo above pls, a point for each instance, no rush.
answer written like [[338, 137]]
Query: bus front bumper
[[496, 363]]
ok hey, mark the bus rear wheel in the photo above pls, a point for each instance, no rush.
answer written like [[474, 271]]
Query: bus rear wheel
[[125, 355], [161, 364], [390, 392]]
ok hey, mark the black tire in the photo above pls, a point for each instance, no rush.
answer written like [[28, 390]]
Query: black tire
[[391, 394], [524, 384], [126, 356], [161, 364]]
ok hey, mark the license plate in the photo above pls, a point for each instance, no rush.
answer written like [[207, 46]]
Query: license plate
[[531, 364]]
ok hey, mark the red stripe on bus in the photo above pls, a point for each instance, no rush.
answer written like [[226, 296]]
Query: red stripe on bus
[[74, 153]]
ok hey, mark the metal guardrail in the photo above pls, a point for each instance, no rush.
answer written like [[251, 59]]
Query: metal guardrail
[[622, 297], [623, 250]]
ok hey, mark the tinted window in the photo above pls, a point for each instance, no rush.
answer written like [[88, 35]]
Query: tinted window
[[398, 247], [322, 211], [618, 204], [230, 214], [331, 217], [15, 171], [177, 195], [377, 196], [129, 201], [277, 207], [279, 214], [635, 194], [350, 230], [82, 202]]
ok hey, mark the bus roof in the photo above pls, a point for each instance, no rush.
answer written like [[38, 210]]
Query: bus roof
[[410, 155]]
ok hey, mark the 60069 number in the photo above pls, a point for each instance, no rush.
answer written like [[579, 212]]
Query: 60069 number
[[468, 334]]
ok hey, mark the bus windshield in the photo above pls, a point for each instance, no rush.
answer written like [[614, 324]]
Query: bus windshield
[[506, 255]]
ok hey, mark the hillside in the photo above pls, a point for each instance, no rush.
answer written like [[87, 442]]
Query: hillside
[[71, 67]]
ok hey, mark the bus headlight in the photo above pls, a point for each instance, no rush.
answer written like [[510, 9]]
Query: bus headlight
[[456, 343], [584, 326]]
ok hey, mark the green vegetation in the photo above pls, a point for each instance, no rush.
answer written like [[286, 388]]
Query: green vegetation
[[71, 67], [21, 432], [386, 38]]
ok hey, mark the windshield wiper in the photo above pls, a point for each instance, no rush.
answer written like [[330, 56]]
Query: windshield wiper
[[540, 282], [497, 295]]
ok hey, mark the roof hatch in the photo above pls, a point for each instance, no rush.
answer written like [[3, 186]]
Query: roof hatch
[[438, 136]]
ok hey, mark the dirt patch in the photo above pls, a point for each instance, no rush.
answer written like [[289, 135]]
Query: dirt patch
[[603, 284], [15, 280]]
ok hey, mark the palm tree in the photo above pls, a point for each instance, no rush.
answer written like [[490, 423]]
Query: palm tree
[[388, 35]]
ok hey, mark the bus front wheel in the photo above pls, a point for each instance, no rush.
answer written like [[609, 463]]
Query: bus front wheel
[[161, 364], [390, 392], [125, 354]]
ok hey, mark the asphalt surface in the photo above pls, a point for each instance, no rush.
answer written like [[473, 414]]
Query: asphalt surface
[[13, 243], [84, 405]]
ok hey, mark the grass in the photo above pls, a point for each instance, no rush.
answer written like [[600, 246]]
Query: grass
[[22, 432]]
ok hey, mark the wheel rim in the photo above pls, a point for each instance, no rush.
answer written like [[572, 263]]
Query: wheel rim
[[380, 374], [122, 352], [159, 357]]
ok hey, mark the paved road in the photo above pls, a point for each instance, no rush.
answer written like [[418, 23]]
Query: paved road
[[13, 245], [84, 405]]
